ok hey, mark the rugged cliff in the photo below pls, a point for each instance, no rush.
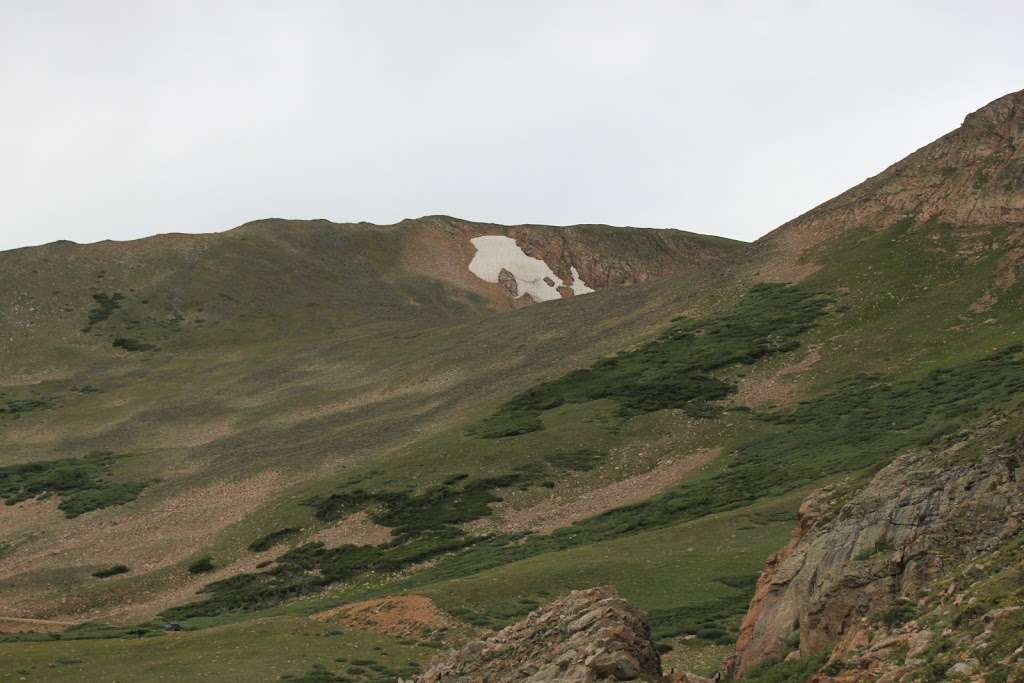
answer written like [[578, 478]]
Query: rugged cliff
[[916, 574]]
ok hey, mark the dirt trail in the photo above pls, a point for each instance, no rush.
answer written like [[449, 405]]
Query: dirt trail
[[38, 621]]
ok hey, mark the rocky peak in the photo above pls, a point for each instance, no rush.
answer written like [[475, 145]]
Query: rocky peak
[[588, 636], [971, 178], [1003, 117]]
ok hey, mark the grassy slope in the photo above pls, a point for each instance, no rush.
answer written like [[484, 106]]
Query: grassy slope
[[909, 313], [250, 377]]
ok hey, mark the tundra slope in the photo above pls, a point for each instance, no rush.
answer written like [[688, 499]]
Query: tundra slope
[[223, 371], [912, 311]]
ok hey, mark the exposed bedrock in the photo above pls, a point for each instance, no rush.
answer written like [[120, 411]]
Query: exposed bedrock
[[856, 555], [589, 635]]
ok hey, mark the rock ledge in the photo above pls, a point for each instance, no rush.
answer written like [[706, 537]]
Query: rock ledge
[[590, 635]]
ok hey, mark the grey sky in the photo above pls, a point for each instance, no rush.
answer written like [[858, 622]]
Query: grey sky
[[124, 119]]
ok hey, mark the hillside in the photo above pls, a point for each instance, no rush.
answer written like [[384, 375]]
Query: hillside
[[356, 443], [228, 368]]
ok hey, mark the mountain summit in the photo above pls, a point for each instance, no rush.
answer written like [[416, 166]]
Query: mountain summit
[[972, 177]]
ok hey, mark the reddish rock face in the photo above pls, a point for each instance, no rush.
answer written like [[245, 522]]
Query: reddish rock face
[[590, 635], [854, 556]]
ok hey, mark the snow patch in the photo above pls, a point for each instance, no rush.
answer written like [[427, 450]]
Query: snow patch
[[495, 253], [578, 285]]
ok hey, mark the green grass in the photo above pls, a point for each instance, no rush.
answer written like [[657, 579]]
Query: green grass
[[861, 426], [674, 371], [83, 484], [796, 671], [426, 524], [264, 651], [689, 577]]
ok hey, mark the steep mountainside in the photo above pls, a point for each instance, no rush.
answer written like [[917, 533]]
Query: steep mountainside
[[334, 463], [218, 372], [971, 178]]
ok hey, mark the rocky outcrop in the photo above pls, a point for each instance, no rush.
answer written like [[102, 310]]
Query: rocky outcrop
[[863, 564], [590, 635]]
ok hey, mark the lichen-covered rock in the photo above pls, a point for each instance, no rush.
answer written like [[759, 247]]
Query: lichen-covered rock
[[588, 636]]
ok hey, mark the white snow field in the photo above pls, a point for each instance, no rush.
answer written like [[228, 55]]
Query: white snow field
[[495, 253]]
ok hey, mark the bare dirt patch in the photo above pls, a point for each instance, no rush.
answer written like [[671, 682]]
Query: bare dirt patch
[[186, 588], [18, 625], [568, 506], [146, 538], [779, 387], [406, 616], [27, 515], [356, 529], [195, 434]]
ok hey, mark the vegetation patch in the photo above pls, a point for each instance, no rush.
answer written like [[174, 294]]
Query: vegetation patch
[[367, 671], [203, 565], [674, 371], [112, 571], [795, 671], [862, 425], [426, 525], [105, 306], [896, 614], [83, 484], [132, 345], [17, 407], [273, 538], [714, 621]]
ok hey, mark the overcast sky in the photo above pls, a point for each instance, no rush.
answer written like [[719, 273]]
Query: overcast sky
[[125, 119]]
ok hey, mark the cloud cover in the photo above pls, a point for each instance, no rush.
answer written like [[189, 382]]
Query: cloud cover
[[124, 119]]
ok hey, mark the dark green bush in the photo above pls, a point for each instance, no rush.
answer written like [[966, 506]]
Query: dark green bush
[[106, 304], [272, 539], [900, 612], [17, 407], [202, 566], [132, 345], [673, 371], [796, 671], [83, 484], [112, 571]]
